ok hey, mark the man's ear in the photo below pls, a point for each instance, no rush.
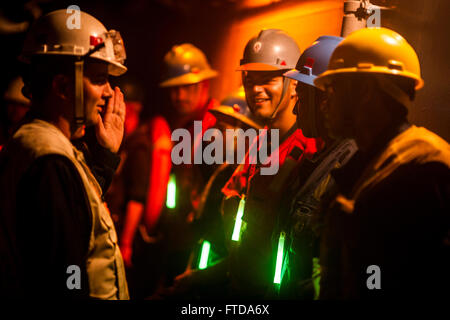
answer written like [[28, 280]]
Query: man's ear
[[292, 86], [62, 87]]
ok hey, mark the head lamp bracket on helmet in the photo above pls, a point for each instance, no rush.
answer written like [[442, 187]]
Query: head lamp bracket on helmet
[[115, 44], [306, 70]]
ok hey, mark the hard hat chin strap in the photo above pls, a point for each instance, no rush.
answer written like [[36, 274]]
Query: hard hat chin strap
[[79, 110], [80, 114], [286, 82]]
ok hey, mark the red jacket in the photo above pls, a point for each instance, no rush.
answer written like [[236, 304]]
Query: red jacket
[[245, 172], [251, 263]]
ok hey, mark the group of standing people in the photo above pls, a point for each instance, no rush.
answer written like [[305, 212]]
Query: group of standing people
[[358, 208]]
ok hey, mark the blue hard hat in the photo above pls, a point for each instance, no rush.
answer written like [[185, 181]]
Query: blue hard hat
[[314, 60], [237, 98], [234, 107]]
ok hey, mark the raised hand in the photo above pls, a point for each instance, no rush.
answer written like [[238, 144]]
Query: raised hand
[[110, 128]]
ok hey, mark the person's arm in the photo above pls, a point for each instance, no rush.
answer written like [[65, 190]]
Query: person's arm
[[136, 172], [147, 170], [102, 162], [53, 228], [191, 278], [160, 166], [133, 216]]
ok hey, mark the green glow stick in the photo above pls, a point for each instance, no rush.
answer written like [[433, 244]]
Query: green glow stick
[[316, 278], [204, 255], [277, 278], [238, 223], [171, 192]]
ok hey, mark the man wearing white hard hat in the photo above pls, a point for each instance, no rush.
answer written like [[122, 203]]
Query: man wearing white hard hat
[[60, 240]]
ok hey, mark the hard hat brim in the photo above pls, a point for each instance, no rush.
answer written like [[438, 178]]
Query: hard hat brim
[[228, 114], [116, 68], [296, 75], [189, 78], [322, 80]]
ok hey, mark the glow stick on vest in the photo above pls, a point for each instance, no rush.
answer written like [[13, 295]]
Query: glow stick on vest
[[277, 278], [171, 192], [238, 223], [204, 255]]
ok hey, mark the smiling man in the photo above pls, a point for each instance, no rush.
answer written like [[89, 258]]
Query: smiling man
[[271, 97], [57, 237]]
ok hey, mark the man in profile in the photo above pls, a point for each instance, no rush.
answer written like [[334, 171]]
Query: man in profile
[[57, 236], [386, 234]]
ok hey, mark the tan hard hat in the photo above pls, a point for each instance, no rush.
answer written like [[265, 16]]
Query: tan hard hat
[[185, 64]]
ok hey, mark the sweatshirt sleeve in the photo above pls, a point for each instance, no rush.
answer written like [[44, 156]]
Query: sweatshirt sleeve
[[53, 228]]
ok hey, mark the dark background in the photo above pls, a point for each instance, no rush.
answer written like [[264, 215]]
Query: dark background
[[150, 28]]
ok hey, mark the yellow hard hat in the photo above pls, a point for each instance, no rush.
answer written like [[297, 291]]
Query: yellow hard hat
[[373, 51], [185, 64]]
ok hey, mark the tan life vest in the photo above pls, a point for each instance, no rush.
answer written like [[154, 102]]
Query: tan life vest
[[104, 265], [416, 144]]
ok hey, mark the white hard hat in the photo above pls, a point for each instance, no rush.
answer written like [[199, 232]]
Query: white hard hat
[[61, 32]]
